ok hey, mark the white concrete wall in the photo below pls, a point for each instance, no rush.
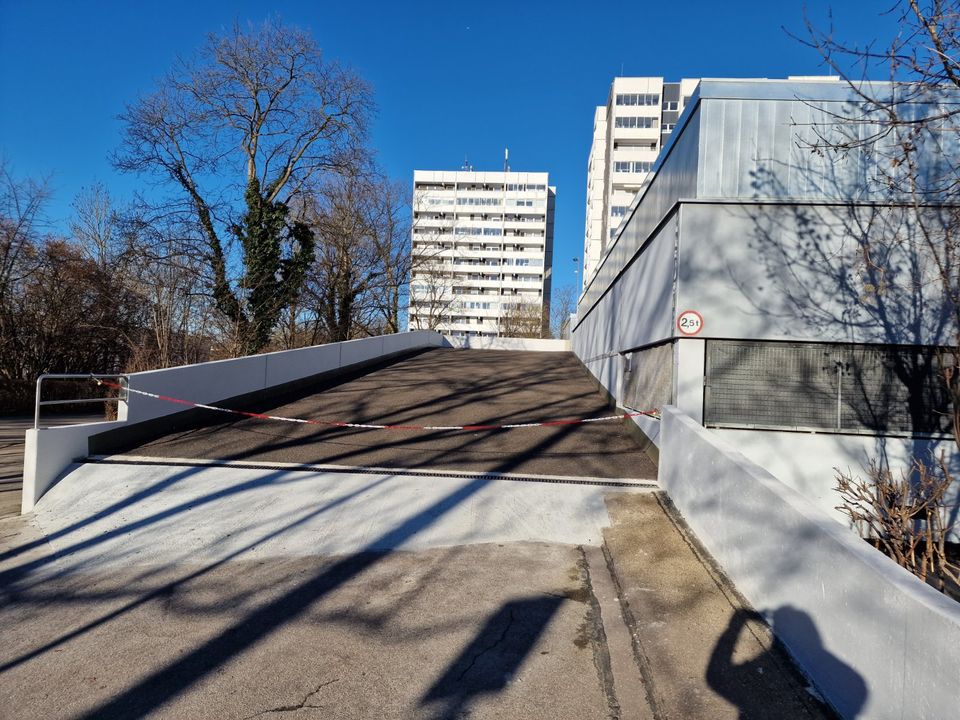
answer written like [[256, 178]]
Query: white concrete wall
[[807, 462], [875, 640], [505, 343], [212, 381], [50, 450]]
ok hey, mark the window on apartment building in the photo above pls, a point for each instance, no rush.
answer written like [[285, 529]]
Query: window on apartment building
[[477, 201], [470, 231], [637, 99], [618, 210], [521, 186], [634, 121], [671, 105], [636, 166], [668, 127]]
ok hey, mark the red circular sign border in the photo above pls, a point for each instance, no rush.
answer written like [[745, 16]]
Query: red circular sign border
[[686, 334]]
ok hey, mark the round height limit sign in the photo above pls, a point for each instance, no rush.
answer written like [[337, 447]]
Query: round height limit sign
[[689, 322]]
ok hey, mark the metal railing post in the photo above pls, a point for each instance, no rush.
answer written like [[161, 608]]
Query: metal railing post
[[36, 407], [122, 396]]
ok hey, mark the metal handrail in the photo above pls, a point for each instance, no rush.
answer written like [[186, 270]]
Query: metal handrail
[[74, 376]]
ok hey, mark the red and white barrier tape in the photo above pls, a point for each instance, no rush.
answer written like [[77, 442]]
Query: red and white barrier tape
[[367, 426]]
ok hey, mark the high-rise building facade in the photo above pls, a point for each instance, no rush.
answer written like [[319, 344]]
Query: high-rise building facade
[[482, 250], [628, 134]]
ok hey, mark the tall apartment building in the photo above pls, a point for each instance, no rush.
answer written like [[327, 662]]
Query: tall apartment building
[[628, 133], [482, 252]]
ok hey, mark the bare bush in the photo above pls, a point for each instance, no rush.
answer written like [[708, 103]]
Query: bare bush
[[907, 517]]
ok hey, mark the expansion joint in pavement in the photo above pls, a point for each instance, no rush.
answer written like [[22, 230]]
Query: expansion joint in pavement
[[641, 661], [628, 692], [598, 640]]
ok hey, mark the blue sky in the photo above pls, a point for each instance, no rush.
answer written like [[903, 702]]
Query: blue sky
[[451, 79]]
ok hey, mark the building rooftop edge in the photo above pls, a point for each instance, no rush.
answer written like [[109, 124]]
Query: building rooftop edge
[[482, 172], [805, 88]]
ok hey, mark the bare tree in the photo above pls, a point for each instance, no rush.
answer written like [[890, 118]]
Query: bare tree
[[21, 205], [433, 295], [164, 268], [563, 304], [243, 132], [906, 131], [390, 292], [521, 319], [891, 158], [152, 255], [361, 270]]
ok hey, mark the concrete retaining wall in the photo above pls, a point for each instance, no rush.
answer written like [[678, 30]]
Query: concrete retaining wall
[[875, 640], [807, 462], [504, 343], [50, 450], [212, 381]]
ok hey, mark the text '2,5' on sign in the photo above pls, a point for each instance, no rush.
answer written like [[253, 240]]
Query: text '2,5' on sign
[[689, 322]]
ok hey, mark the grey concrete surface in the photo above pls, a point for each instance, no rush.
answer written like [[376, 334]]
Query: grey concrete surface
[[116, 515], [438, 387], [703, 652], [238, 593], [629, 686], [485, 631]]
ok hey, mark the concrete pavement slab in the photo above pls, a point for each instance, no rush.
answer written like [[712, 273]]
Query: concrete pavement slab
[[485, 631], [102, 514], [702, 650]]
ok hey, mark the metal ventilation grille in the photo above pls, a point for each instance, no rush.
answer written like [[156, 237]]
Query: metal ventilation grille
[[647, 380], [824, 386]]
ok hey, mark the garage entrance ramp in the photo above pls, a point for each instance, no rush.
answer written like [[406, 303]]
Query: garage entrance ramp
[[421, 396]]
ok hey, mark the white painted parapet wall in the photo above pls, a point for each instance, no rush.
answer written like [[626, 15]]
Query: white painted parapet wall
[[507, 343], [49, 451], [875, 640]]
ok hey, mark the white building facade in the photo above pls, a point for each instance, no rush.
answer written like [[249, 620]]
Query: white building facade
[[482, 250], [628, 133]]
